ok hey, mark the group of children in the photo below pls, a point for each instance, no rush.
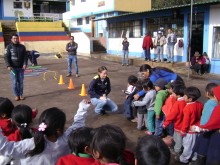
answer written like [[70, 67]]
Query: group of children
[[50, 144], [173, 110]]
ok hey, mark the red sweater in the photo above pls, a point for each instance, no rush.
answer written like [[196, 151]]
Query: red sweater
[[214, 121], [147, 42], [191, 116], [176, 115], [168, 104], [6, 126], [75, 160]]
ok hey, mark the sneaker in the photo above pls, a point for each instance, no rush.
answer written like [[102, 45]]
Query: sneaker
[[22, 98], [168, 61], [77, 75], [122, 64], [102, 112], [69, 75], [135, 120], [17, 98], [148, 132], [127, 64]]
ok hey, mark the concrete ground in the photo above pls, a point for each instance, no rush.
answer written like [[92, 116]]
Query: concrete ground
[[44, 94]]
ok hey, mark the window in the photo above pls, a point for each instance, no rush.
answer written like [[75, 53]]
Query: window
[[216, 42], [154, 24], [17, 5], [79, 21], [83, 0], [87, 20], [131, 29], [73, 2]]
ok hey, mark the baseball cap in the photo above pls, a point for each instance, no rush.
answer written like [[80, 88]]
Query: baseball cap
[[160, 83]]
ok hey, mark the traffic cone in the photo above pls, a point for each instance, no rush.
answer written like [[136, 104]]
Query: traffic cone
[[83, 91], [61, 80], [71, 85]]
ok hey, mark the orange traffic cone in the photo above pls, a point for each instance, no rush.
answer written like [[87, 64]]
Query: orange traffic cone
[[83, 91], [61, 80], [71, 85]]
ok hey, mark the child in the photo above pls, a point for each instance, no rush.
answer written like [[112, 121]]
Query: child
[[176, 116], [132, 80], [108, 146], [191, 116], [22, 119], [50, 140], [79, 143], [206, 65], [159, 101], [99, 89], [151, 150], [148, 103], [33, 55]]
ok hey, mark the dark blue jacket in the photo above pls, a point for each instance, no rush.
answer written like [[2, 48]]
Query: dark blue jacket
[[98, 87]]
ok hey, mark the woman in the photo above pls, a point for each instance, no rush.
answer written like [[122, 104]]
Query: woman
[[98, 90]]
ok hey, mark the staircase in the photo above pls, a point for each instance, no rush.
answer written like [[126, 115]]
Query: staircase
[[8, 28], [98, 47]]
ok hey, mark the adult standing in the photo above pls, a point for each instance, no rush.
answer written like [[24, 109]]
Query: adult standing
[[147, 45], [98, 90], [159, 42], [16, 62], [71, 48], [171, 41], [125, 50]]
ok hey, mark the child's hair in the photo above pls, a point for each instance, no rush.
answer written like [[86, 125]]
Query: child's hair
[[148, 84], [79, 139], [100, 69], [192, 92], [22, 118], [6, 107], [152, 150], [132, 80], [51, 121], [110, 142], [209, 88], [179, 90]]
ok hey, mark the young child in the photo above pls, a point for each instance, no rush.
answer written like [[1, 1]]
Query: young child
[[151, 150], [159, 101], [148, 103], [132, 80], [50, 140], [22, 118], [206, 65], [191, 116], [98, 90], [176, 117], [108, 146], [79, 142]]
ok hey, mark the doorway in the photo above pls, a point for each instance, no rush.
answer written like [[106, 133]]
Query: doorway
[[197, 33], [93, 26]]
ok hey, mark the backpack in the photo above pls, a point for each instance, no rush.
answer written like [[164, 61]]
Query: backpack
[[180, 43]]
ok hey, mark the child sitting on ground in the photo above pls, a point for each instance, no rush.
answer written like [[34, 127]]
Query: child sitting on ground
[[79, 142], [148, 107], [132, 80]]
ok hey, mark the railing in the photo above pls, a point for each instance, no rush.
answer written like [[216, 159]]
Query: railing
[[39, 17]]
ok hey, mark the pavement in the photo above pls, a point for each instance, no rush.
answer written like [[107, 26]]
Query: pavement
[[43, 94]]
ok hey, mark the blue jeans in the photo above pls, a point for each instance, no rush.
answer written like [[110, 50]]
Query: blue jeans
[[170, 49], [159, 125], [147, 54], [17, 81], [72, 59], [107, 105], [125, 57]]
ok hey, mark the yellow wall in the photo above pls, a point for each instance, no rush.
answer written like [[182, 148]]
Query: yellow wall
[[2, 48], [39, 26], [133, 5], [0, 27], [46, 46]]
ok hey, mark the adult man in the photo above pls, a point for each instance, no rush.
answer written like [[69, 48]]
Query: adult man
[[33, 55], [147, 45], [159, 42], [171, 41], [71, 48], [16, 62]]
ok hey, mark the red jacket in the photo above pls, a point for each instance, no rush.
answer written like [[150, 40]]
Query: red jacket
[[168, 104], [75, 160], [147, 42], [6, 126], [191, 116], [176, 115], [214, 121], [15, 136]]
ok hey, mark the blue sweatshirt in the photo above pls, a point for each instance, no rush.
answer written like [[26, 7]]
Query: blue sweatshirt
[[207, 111]]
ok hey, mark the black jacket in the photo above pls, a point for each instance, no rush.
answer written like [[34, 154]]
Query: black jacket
[[71, 48], [98, 87], [15, 55]]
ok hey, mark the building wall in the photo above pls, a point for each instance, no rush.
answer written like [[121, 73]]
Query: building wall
[[214, 21], [9, 12], [1, 41], [133, 5]]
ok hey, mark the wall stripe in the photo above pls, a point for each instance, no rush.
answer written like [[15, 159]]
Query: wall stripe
[[43, 38], [42, 33]]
